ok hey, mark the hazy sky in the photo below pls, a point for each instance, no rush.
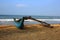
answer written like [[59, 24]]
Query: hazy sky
[[30, 7]]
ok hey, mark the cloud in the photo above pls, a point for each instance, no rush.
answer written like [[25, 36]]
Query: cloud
[[20, 5]]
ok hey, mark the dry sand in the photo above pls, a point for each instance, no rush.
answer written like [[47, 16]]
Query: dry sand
[[31, 32]]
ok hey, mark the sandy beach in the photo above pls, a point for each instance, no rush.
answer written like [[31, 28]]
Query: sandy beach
[[31, 32]]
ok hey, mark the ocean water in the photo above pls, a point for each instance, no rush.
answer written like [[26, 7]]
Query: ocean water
[[8, 19], [34, 16]]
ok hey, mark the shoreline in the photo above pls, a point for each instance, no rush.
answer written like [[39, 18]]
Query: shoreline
[[26, 25], [31, 20]]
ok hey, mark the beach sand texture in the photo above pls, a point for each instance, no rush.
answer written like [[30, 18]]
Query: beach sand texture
[[31, 32]]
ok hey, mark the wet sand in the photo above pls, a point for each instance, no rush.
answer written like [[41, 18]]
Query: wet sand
[[31, 32]]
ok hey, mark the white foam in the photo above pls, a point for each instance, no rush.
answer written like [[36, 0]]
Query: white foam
[[32, 20]]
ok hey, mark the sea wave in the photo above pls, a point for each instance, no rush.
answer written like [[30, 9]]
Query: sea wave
[[32, 20]]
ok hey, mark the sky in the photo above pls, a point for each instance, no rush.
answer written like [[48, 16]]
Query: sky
[[30, 7]]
